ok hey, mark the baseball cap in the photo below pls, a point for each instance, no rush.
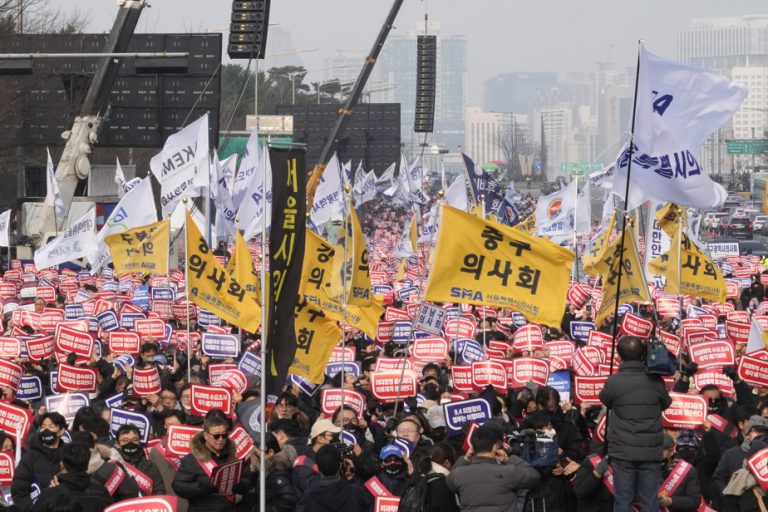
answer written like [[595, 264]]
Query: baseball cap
[[321, 426], [390, 450], [757, 422], [435, 416]]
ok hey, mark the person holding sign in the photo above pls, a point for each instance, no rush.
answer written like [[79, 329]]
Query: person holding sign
[[144, 473], [681, 489], [209, 449]]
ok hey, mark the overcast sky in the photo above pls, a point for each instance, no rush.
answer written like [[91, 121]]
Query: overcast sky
[[502, 35]]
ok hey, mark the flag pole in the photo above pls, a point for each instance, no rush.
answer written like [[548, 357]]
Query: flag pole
[[186, 291], [346, 201], [265, 303], [485, 333], [623, 236]]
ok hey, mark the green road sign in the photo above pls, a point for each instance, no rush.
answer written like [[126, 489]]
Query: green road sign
[[747, 147], [578, 168]]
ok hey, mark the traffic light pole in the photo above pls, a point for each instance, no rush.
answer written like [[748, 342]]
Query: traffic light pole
[[345, 112]]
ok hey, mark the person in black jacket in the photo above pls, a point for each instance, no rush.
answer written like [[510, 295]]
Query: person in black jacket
[[210, 448], [73, 481], [40, 462], [435, 469], [733, 459], [687, 496], [332, 493], [589, 486], [635, 401], [144, 473]]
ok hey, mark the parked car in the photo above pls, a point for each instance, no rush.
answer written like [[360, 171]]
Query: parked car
[[758, 222], [738, 227], [753, 247], [712, 219]]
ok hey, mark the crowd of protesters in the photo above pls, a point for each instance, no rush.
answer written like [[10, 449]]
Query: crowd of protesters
[[540, 449]]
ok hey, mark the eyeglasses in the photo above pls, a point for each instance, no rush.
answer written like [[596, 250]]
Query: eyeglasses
[[218, 437]]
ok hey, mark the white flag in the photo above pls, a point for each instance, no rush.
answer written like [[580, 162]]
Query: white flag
[[328, 203], [429, 229], [78, 241], [182, 166], [248, 170], [456, 195], [369, 188], [135, 209], [225, 210], [757, 340], [253, 205], [122, 186], [386, 180], [416, 183], [5, 228], [677, 108], [555, 212], [404, 247], [52, 195], [657, 241], [583, 211]]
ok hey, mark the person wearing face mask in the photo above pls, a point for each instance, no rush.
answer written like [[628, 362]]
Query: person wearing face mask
[[40, 462], [144, 473], [395, 469], [73, 481], [210, 448], [363, 453], [323, 433], [166, 462], [680, 490], [733, 459]]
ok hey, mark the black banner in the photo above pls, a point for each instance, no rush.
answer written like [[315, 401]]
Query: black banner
[[286, 254]]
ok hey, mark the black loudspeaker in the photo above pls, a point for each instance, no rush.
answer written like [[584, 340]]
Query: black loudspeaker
[[426, 76], [248, 30]]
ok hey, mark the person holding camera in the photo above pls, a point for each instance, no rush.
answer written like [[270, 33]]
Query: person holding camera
[[635, 401], [332, 493], [488, 479], [323, 433]]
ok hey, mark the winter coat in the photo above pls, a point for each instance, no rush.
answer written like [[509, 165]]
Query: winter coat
[[334, 494], [103, 466], [91, 495], [732, 460], [36, 468], [153, 473], [167, 473], [635, 401], [484, 485], [193, 483], [687, 496], [439, 497], [281, 495], [394, 484], [591, 493]]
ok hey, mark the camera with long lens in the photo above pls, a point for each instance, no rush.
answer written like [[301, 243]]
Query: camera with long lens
[[344, 449], [537, 449]]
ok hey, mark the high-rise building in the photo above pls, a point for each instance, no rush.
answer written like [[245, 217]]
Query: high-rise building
[[751, 120], [558, 137], [396, 72], [725, 43], [486, 133], [517, 92]]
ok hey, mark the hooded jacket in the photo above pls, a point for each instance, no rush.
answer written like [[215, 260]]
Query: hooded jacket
[[36, 468], [192, 482], [333, 494], [91, 495]]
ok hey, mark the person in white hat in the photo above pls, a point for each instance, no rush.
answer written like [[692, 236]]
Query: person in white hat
[[323, 433]]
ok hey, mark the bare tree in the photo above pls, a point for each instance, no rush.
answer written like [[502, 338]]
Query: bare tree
[[513, 142]]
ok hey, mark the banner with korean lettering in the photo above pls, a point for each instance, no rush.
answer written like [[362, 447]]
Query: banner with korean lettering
[[211, 288], [486, 263], [691, 272], [78, 241], [316, 335], [633, 285], [316, 284], [286, 253], [352, 263], [657, 241], [593, 259], [143, 249]]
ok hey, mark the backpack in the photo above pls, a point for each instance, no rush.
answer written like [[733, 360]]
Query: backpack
[[415, 498]]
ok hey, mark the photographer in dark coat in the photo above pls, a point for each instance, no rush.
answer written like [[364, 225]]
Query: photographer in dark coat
[[635, 400]]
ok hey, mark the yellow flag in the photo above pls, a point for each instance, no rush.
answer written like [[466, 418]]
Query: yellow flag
[[400, 275], [316, 335], [483, 262], [477, 210], [240, 267], [668, 217], [593, 260], [691, 272], [633, 285], [413, 233], [210, 286], [317, 287], [528, 224], [355, 268], [143, 249]]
